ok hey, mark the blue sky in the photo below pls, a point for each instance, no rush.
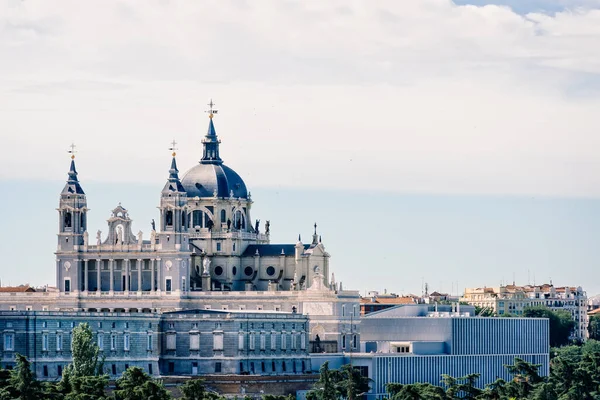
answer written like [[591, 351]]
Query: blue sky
[[431, 140], [377, 240]]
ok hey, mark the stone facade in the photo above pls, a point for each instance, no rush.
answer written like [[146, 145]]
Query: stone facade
[[188, 343]]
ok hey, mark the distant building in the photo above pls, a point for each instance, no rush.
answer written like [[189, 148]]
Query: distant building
[[190, 342], [511, 299], [377, 302], [419, 343]]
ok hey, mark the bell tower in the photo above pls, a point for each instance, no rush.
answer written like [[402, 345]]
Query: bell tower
[[72, 232], [173, 236]]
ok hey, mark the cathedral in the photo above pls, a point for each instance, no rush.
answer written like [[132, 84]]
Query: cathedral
[[203, 253]]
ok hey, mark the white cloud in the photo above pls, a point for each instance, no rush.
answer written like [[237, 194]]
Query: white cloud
[[402, 96]]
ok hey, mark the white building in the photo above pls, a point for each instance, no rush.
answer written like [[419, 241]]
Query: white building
[[511, 299], [203, 252]]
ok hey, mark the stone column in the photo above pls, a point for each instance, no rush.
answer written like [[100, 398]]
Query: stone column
[[158, 274], [127, 267], [111, 267], [85, 276], [98, 275], [152, 264], [139, 274]]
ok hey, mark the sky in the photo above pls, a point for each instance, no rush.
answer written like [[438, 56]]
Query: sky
[[453, 143]]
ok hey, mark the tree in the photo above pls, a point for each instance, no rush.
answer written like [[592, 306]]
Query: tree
[[85, 352], [88, 388], [23, 381], [135, 384], [561, 323], [350, 383], [325, 387], [594, 327], [525, 377], [195, 389]]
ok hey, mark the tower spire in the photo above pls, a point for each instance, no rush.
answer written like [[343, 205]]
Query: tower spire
[[173, 183], [72, 186], [211, 142]]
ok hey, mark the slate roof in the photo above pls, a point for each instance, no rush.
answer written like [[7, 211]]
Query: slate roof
[[271, 250]]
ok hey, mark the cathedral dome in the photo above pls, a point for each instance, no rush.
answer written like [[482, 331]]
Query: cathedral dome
[[211, 175], [204, 179]]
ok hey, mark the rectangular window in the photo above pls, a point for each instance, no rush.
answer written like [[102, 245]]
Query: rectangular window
[[303, 341], [293, 346], [59, 369], [101, 341], [171, 367], [59, 342], [45, 368], [126, 342], [283, 341], [168, 285], [150, 369], [218, 342], [218, 246], [273, 341], [263, 341], [9, 342], [195, 342], [354, 341], [149, 342], [252, 341], [114, 369], [343, 310], [241, 341], [44, 342], [113, 342], [218, 367], [67, 285], [343, 341], [171, 341], [183, 284]]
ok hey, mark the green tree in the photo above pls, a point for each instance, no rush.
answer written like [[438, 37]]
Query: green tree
[[525, 377], [88, 388], [350, 383], [24, 384], [494, 391], [561, 323], [85, 352], [325, 388], [135, 384], [594, 327], [195, 389]]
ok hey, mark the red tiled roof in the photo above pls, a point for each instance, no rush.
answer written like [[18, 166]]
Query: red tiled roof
[[11, 289], [388, 300]]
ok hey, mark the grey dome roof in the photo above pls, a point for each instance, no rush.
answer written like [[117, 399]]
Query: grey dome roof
[[203, 179]]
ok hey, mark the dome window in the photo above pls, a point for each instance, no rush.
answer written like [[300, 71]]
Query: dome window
[[248, 271], [270, 271], [218, 270]]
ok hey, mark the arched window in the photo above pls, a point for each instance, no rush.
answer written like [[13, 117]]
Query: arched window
[[82, 221], [67, 219], [183, 219], [239, 220], [223, 216], [169, 218], [201, 219]]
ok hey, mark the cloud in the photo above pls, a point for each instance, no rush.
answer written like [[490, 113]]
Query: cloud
[[427, 96]]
